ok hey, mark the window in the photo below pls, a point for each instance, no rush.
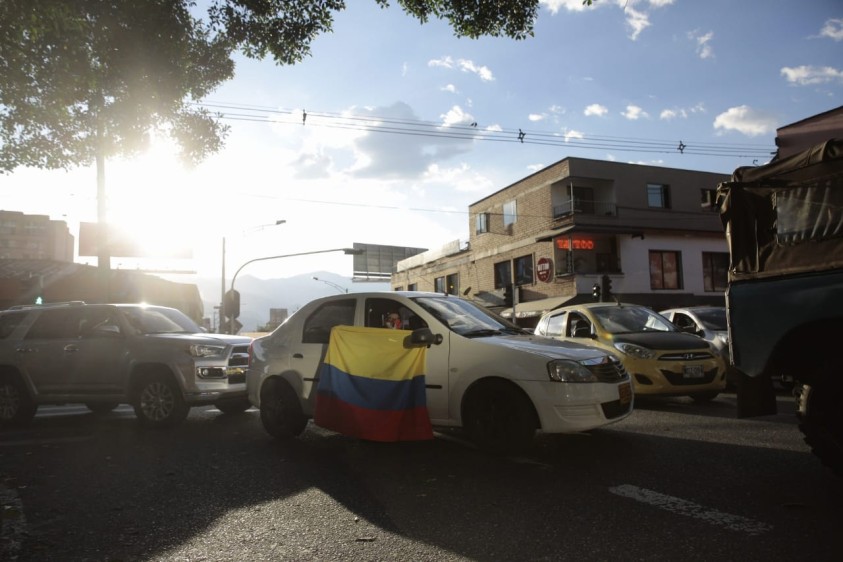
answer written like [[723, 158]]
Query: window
[[715, 271], [524, 270], [658, 196], [452, 283], [380, 313], [482, 223], [413, 287], [55, 324], [503, 274], [439, 285], [317, 327], [708, 199], [665, 269], [509, 213]]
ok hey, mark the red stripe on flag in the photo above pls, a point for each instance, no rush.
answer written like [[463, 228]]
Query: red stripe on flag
[[412, 424]]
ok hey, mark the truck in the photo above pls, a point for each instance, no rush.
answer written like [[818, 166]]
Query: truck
[[784, 229]]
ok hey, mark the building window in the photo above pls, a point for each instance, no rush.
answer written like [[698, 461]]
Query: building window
[[510, 214], [503, 274], [452, 283], [665, 270], [708, 199], [482, 223], [413, 287], [524, 270], [715, 271], [658, 196], [439, 285]]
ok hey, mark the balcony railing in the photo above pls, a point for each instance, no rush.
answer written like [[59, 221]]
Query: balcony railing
[[585, 207]]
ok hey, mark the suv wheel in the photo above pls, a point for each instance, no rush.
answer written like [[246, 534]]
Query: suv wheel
[[499, 418], [281, 412], [16, 407], [158, 402]]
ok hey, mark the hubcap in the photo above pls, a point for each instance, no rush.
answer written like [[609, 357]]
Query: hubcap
[[157, 401], [9, 401]]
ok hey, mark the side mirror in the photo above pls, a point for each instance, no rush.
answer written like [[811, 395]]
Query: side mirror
[[424, 337]]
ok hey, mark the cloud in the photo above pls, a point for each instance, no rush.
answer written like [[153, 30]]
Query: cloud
[[746, 120], [595, 109], [450, 88], [703, 41], [537, 117], [673, 113], [572, 134], [553, 6], [460, 178], [465, 65], [638, 21], [833, 29], [809, 75], [634, 113]]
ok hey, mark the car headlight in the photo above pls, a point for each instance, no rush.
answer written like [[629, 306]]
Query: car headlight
[[569, 371], [205, 350], [635, 350]]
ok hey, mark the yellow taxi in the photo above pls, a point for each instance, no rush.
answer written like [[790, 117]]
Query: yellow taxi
[[660, 359]]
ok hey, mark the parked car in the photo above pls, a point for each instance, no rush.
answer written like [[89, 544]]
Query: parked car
[[660, 359], [707, 322], [483, 373], [152, 357]]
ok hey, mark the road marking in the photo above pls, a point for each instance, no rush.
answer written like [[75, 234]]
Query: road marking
[[691, 509]]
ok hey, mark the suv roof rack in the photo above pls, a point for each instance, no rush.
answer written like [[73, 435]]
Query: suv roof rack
[[45, 305]]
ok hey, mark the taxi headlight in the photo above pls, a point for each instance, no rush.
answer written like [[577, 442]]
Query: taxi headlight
[[569, 371], [635, 350], [205, 350]]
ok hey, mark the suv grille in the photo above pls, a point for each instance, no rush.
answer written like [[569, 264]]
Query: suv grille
[[609, 369]]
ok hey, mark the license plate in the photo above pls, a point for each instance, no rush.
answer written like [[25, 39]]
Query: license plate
[[693, 372], [625, 392]]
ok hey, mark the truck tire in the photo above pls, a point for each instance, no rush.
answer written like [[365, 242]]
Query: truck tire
[[820, 412], [281, 412], [16, 406], [499, 417], [158, 402]]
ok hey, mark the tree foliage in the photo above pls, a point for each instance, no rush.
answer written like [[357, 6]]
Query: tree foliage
[[94, 78]]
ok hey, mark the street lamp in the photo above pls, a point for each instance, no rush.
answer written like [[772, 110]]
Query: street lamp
[[346, 251], [339, 288], [222, 291]]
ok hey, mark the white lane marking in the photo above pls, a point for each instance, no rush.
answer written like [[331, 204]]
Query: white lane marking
[[691, 509]]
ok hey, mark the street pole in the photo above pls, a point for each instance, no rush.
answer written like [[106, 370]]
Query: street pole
[[222, 291]]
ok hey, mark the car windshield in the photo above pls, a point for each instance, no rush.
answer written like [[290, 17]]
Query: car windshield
[[466, 318], [160, 320], [625, 319], [713, 318]]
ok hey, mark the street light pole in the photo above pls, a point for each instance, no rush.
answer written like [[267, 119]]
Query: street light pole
[[346, 251], [336, 286]]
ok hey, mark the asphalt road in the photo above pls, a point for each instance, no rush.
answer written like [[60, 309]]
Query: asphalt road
[[675, 481]]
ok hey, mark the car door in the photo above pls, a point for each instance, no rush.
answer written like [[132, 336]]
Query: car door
[[307, 347], [377, 310], [47, 350], [99, 364]]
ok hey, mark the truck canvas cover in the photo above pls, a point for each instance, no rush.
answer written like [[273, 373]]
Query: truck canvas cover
[[785, 217]]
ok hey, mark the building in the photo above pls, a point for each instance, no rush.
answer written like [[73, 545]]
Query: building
[[34, 237], [580, 230]]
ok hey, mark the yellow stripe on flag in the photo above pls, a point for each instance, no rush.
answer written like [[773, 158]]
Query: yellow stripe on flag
[[376, 353]]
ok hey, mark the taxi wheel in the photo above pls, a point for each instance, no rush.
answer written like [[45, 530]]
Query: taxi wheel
[[16, 407], [499, 417], [281, 413]]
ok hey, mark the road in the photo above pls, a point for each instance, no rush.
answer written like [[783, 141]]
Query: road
[[675, 481]]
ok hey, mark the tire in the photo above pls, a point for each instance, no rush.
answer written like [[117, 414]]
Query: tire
[[101, 408], [16, 406], [820, 413], [158, 402], [499, 417], [237, 406], [704, 397], [281, 413]]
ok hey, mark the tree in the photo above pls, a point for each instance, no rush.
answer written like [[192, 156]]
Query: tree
[[87, 80]]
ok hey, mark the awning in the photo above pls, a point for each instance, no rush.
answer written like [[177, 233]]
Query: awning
[[535, 308]]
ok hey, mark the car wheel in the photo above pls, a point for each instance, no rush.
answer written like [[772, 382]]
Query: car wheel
[[281, 413], [101, 408], [158, 402], [820, 421], [499, 417], [233, 406], [16, 406], [704, 397]]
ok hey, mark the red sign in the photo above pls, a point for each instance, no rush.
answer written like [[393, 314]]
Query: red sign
[[544, 269], [575, 243]]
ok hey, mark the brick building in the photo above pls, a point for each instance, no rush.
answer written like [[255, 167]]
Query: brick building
[[34, 237]]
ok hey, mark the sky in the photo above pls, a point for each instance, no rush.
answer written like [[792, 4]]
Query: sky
[[391, 129]]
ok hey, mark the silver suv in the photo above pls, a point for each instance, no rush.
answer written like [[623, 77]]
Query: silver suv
[[152, 357]]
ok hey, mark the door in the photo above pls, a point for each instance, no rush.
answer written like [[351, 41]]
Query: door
[[100, 363], [47, 350]]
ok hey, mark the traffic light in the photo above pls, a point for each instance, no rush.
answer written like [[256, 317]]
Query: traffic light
[[607, 287], [231, 304], [595, 292]]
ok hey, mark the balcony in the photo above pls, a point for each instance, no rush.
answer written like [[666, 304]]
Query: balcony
[[588, 207]]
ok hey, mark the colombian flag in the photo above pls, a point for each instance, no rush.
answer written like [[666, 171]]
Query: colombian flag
[[372, 387]]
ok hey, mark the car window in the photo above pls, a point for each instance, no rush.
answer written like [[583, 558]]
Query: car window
[[683, 321], [578, 325], [55, 324], [624, 319], [98, 322], [555, 325], [713, 318], [389, 313], [466, 318], [317, 326], [9, 322], [153, 320]]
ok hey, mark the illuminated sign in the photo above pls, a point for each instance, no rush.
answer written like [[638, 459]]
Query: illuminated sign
[[575, 243]]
